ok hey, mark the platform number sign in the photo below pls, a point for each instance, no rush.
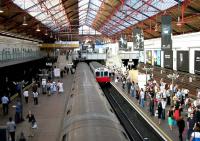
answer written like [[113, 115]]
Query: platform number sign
[[138, 39], [166, 41]]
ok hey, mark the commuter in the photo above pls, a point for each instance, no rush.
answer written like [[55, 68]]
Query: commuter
[[48, 88], [163, 102], [32, 121], [176, 114], [197, 114], [123, 82], [22, 137], [142, 97], [26, 95], [35, 97], [60, 86], [151, 106], [53, 88], [190, 125], [159, 108], [181, 127], [170, 117], [195, 136], [11, 127], [128, 82], [34, 87], [18, 112], [5, 102], [133, 90]]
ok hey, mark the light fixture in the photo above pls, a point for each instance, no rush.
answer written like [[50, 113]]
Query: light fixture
[[46, 33], [51, 36], [1, 8], [38, 28], [178, 22], [24, 22], [156, 27]]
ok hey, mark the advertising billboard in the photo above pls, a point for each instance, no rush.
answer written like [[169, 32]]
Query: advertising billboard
[[156, 60], [122, 44], [197, 62], [138, 39], [168, 59], [141, 57], [149, 57], [183, 61]]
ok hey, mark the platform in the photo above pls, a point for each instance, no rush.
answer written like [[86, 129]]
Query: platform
[[48, 113], [163, 128]]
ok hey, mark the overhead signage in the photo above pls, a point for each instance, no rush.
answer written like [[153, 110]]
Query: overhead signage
[[68, 44], [166, 30], [168, 59], [183, 61], [138, 39], [197, 62]]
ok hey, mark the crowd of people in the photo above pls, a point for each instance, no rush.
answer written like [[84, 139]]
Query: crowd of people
[[167, 101]]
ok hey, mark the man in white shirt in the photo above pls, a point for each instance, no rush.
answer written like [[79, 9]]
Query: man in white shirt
[[26, 96], [5, 101]]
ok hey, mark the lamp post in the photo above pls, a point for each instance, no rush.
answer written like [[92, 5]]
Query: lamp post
[[173, 77], [146, 71]]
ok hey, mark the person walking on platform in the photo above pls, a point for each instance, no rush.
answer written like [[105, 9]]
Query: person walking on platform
[[5, 101], [142, 97], [181, 127], [133, 91], [11, 127], [26, 96], [18, 112], [35, 97], [32, 121], [190, 125], [170, 117], [163, 102], [159, 108], [195, 136]]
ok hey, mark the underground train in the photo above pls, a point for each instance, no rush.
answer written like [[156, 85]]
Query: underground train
[[101, 73], [88, 115]]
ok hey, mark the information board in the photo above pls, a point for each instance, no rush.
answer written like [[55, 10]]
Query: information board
[[156, 58], [149, 57], [57, 72], [197, 62]]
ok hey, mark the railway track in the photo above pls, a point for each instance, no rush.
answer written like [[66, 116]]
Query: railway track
[[136, 127]]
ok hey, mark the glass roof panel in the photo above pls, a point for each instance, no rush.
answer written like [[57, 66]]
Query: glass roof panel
[[87, 30], [48, 11]]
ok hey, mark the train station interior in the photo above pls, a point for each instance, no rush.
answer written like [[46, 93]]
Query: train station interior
[[95, 70]]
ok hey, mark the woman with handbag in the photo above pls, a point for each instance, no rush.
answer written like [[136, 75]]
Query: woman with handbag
[[32, 122]]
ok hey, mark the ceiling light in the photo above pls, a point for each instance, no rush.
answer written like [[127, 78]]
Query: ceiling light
[[156, 27], [1, 10], [46, 33], [24, 22], [38, 28], [178, 22], [51, 36]]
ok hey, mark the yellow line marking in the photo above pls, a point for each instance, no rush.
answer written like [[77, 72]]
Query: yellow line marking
[[161, 132]]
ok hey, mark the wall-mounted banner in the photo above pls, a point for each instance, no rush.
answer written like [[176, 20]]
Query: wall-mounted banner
[[138, 39], [168, 59], [197, 62], [183, 61], [141, 57], [122, 43], [166, 41], [149, 57], [156, 58]]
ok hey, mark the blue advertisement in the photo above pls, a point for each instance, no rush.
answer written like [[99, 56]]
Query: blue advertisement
[[156, 59]]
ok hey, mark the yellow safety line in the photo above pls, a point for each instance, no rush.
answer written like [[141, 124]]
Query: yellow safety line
[[15, 95], [165, 136]]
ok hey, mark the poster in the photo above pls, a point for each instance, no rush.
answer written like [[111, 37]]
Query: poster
[[138, 39], [149, 57], [183, 61], [122, 44], [168, 59], [156, 58], [141, 57], [197, 62]]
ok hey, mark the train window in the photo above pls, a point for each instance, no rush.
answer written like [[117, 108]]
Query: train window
[[97, 73], [101, 73], [105, 73]]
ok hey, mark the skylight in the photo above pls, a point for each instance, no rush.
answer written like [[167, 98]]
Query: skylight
[[49, 12], [86, 30]]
